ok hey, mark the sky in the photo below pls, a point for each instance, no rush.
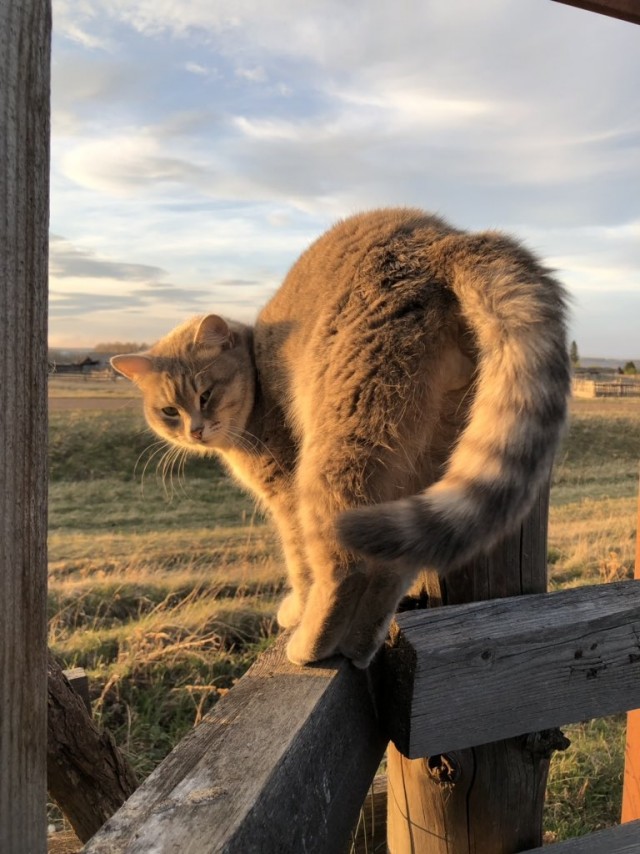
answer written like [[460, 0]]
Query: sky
[[199, 146]]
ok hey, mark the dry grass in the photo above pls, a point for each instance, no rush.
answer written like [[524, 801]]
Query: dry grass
[[592, 535], [167, 596], [79, 386]]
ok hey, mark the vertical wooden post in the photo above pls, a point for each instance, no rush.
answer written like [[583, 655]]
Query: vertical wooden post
[[631, 786], [487, 798], [25, 36]]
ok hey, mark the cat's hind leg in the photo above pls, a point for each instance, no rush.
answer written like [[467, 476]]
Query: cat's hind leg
[[326, 485], [377, 605], [329, 610]]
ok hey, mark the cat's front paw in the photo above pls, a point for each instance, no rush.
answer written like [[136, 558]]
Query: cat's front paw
[[299, 650], [290, 611], [306, 647]]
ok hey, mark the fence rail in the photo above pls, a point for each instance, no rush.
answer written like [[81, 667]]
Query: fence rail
[[286, 757], [282, 762]]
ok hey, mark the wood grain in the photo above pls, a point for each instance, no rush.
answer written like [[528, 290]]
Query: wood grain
[[87, 776], [282, 763], [465, 802], [25, 36], [475, 673]]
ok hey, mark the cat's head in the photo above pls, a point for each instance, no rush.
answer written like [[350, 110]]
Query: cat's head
[[198, 383]]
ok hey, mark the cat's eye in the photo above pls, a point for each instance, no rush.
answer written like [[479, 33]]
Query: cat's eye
[[204, 397], [170, 411]]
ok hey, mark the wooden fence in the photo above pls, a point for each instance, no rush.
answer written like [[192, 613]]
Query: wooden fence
[[284, 760], [25, 31], [606, 388]]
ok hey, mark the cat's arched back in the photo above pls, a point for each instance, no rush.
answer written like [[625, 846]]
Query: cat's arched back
[[396, 406]]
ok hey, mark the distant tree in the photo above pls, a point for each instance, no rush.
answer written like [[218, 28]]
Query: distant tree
[[574, 355], [119, 347], [630, 368]]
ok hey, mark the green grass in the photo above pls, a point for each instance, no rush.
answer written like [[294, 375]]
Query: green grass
[[166, 591]]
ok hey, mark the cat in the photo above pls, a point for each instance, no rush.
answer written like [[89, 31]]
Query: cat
[[396, 406]]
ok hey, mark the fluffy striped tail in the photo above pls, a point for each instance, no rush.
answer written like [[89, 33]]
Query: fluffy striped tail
[[517, 312]]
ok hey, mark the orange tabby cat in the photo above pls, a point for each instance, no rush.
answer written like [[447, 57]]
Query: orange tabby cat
[[396, 406]]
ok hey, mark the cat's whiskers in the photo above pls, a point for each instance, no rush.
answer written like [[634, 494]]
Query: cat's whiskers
[[165, 466], [157, 447], [182, 461], [177, 459]]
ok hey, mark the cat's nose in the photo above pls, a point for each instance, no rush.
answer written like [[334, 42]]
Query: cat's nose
[[197, 434]]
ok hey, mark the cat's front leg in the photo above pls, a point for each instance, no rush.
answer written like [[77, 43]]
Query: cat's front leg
[[292, 606]]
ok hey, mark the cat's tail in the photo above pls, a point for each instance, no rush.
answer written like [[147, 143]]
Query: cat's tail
[[517, 313]]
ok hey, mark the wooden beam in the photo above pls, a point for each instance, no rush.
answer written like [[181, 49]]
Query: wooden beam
[[87, 776], [282, 763], [472, 674], [25, 37], [624, 10], [465, 803], [79, 681], [623, 839]]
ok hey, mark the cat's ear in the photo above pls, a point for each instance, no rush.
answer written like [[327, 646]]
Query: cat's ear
[[132, 366], [213, 331]]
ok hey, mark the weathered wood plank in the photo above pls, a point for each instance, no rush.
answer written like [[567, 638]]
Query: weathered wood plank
[[283, 762], [472, 674], [25, 36], [625, 10], [79, 681], [623, 839], [87, 776]]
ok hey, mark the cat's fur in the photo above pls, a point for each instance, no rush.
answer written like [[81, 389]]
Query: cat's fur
[[396, 406]]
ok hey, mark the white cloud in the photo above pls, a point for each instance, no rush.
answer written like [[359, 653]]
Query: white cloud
[[196, 68], [121, 165], [166, 154], [254, 75]]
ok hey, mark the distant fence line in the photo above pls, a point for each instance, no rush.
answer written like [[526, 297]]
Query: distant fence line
[[80, 372], [621, 387]]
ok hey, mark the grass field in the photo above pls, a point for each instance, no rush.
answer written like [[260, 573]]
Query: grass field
[[165, 591]]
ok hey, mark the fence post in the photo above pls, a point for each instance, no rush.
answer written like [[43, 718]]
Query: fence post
[[487, 798], [631, 786], [25, 36]]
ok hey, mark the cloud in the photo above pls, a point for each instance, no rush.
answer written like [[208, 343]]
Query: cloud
[[196, 68], [123, 164], [83, 303], [212, 142], [254, 75], [67, 261]]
